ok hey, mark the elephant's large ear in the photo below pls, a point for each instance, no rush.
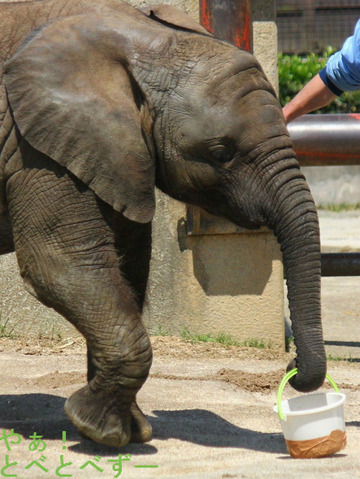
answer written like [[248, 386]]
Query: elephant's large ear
[[74, 100], [172, 16]]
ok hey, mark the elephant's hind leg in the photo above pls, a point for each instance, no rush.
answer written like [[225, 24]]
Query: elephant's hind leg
[[68, 256]]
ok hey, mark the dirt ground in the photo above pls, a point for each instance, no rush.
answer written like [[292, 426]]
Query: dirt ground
[[211, 409]]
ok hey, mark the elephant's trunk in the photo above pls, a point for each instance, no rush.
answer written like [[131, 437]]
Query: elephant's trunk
[[293, 217]]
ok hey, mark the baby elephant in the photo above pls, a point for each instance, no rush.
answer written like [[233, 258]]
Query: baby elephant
[[99, 103]]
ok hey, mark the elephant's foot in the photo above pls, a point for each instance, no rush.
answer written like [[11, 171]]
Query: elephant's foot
[[99, 417], [141, 430]]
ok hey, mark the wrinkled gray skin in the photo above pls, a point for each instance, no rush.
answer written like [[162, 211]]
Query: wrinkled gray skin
[[100, 104]]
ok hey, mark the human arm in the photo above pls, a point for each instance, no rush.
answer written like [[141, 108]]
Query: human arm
[[314, 95], [342, 73]]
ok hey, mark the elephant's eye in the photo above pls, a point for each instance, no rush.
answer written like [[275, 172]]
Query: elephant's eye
[[222, 155], [222, 152]]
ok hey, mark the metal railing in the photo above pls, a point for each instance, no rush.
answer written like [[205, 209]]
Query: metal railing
[[330, 140], [327, 140]]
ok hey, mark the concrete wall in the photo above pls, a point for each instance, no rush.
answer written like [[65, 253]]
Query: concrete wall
[[214, 283], [23, 315], [208, 284], [334, 184]]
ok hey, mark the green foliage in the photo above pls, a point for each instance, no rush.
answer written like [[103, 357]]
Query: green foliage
[[295, 71]]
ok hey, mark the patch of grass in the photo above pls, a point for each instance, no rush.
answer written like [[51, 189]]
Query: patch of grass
[[50, 331], [224, 339], [55, 334], [339, 208], [7, 329], [330, 357], [196, 338], [207, 338], [289, 342], [159, 331], [256, 343]]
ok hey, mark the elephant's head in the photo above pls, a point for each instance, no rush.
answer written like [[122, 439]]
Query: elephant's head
[[125, 101]]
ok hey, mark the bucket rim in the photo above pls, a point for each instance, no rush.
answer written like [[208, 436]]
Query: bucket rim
[[340, 402], [286, 378]]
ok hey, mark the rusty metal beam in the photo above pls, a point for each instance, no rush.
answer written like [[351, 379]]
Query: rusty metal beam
[[327, 140], [229, 20]]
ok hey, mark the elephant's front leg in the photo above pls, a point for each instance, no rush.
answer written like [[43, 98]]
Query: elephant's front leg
[[133, 245], [68, 257]]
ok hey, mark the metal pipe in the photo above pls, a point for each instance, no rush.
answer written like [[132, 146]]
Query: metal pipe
[[340, 264], [326, 140]]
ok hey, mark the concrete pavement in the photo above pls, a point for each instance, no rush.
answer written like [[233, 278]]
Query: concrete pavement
[[203, 426], [340, 232]]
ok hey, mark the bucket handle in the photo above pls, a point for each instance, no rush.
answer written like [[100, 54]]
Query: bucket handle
[[286, 378]]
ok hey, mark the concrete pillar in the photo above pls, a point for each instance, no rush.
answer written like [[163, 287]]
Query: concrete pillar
[[264, 35]]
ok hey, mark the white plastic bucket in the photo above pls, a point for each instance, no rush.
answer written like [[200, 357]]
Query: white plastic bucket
[[313, 424]]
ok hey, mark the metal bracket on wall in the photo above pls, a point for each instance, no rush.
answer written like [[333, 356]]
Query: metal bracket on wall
[[199, 222]]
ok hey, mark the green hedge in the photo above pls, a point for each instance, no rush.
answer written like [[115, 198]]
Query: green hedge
[[295, 71]]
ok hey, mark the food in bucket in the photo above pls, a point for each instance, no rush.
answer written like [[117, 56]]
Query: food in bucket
[[313, 424], [319, 447]]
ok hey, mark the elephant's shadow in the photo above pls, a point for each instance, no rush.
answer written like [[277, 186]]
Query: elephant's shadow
[[44, 414]]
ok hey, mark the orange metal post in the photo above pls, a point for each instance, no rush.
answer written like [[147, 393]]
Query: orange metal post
[[229, 20]]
